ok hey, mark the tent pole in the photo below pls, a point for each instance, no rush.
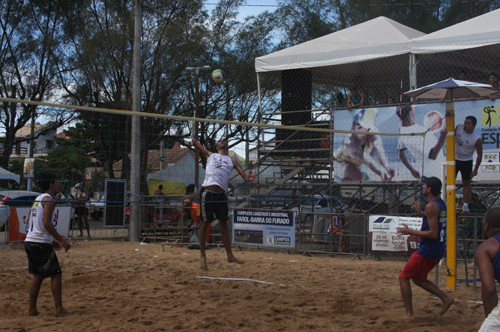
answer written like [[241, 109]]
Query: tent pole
[[413, 71]]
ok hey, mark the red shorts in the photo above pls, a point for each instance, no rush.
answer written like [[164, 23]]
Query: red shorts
[[418, 267]]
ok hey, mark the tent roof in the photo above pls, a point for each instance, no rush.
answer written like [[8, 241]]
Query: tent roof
[[6, 175], [478, 31], [377, 38], [178, 173]]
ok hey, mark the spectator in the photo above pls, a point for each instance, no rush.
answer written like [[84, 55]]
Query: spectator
[[466, 143], [81, 210], [339, 227], [462, 76], [355, 99], [159, 191], [390, 101], [493, 78]]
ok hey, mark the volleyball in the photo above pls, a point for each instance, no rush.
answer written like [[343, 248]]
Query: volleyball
[[433, 121], [218, 76]]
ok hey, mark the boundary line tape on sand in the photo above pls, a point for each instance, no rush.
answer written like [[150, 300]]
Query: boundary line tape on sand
[[250, 280]]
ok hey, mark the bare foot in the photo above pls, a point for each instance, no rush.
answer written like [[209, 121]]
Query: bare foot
[[409, 317], [62, 313], [234, 260], [446, 305], [203, 263], [33, 312]]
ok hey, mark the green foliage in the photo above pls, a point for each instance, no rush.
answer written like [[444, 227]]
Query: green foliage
[[66, 161]]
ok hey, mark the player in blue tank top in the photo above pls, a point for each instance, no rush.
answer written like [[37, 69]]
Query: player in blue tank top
[[487, 259], [431, 250], [434, 248]]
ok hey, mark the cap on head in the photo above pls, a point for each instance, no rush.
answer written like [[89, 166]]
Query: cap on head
[[492, 217], [434, 183]]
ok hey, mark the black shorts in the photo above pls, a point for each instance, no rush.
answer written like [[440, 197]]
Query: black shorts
[[214, 206], [81, 211], [464, 167], [42, 259]]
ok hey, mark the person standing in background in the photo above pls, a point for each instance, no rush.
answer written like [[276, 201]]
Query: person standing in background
[[466, 143], [81, 210]]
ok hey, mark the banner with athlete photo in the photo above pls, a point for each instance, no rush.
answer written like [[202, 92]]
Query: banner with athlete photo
[[366, 157], [263, 227], [383, 234], [18, 224]]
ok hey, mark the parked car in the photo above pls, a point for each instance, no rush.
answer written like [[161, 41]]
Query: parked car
[[320, 204], [14, 198]]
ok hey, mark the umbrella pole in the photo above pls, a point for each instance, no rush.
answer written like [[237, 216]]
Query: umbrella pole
[[451, 246]]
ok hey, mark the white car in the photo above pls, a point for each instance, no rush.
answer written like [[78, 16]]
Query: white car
[[14, 198]]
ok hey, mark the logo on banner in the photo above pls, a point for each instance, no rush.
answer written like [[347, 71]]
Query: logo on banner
[[382, 223], [489, 116], [491, 157]]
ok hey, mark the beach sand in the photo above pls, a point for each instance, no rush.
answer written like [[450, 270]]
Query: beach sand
[[116, 286]]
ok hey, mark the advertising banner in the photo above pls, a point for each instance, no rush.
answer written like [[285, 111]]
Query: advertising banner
[[19, 223], [383, 234], [366, 157], [260, 227]]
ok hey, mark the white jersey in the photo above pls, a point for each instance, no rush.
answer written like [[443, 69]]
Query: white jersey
[[218, 171], [36, 230], [464, 144]]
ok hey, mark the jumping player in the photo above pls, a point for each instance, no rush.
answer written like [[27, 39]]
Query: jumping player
[[213, 195]]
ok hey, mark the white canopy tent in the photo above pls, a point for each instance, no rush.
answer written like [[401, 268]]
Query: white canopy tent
[[473, 44], [6, 175], [479, 31], [183, 173], [348, 55], [357, 55]]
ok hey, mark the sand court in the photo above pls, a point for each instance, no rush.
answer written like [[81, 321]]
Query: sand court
[[114, 285]]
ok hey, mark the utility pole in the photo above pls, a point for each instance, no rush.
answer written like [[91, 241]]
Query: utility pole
[[32, 146], [135, 151]]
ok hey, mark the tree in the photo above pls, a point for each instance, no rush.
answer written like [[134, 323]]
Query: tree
[[67, 161], [31, 61], [176, 34]]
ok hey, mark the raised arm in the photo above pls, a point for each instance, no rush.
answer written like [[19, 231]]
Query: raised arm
[[240, 170], [203, 152]]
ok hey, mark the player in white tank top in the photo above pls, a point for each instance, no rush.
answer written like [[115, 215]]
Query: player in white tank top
[[218, 171]]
